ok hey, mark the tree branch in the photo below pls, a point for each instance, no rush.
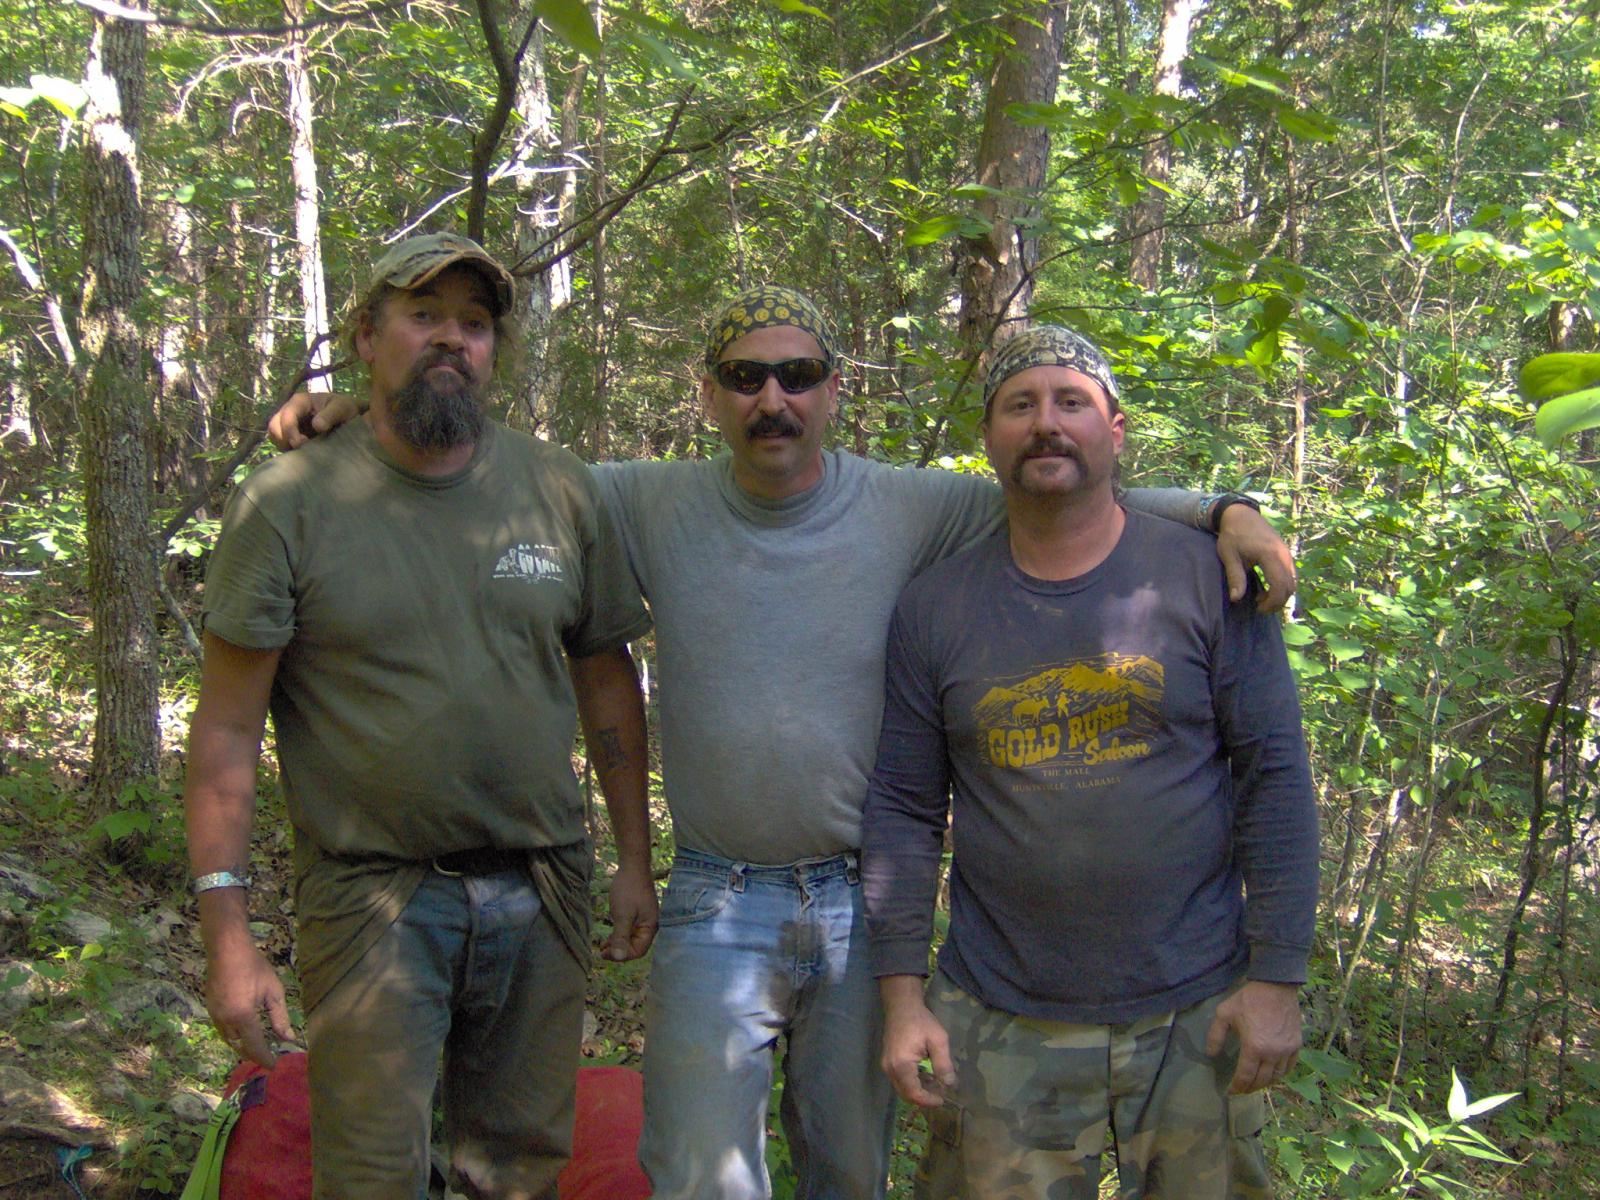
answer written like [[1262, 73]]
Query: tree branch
[[246, 448], [109, 8], [483, 146]]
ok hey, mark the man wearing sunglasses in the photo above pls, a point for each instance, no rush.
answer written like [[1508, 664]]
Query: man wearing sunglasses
[[772, 572]]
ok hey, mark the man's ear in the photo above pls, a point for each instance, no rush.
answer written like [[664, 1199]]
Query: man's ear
[[706, 406], [363, 339]]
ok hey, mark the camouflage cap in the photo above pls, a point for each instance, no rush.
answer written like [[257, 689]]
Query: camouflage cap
[[764, 306], [1047, 346], [413, 261]]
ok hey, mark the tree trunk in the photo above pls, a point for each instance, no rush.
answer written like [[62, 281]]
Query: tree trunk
[[601, 439], [997, 271], [541, 169], [116, 419], [303, 169], [1531, 859], [1150, 213]]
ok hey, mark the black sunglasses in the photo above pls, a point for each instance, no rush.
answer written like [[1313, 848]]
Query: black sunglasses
[[747, 376]]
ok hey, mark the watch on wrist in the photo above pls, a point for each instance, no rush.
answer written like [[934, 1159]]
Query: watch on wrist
[[1223, 501], [218, 879]]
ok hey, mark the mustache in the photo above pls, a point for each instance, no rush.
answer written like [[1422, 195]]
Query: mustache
[[773, 425], [1050, 447], [446, 358]]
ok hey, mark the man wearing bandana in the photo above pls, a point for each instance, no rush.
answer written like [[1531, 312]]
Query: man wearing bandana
[[771, 572], [1134, 885]]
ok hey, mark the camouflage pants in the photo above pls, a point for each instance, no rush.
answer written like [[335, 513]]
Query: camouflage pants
[[1028, 1117]]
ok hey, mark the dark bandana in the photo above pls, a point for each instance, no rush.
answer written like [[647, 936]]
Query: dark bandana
[[762, 307], [1048, 346]]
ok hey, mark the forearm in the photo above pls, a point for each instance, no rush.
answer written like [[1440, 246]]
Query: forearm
[[901, 993], [1173, 504], [611, 710]]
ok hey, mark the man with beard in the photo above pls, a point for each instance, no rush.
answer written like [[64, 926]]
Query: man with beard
[[427, 601], [771, 572], [1135, 877]]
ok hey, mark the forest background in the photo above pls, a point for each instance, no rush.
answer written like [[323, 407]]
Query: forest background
[[1318, 239]]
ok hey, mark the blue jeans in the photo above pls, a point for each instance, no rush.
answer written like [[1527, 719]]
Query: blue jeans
[[472, 967], [747, 954]]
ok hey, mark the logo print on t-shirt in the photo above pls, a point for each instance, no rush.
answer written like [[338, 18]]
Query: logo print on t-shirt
[[1085, 713], [532, 563]]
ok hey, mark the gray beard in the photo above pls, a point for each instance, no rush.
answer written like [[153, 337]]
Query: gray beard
[[426, 418]]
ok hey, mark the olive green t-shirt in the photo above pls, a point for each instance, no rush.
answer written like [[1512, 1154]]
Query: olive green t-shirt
[[422, 702]]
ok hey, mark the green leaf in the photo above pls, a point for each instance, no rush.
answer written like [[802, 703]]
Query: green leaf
[[65, 96], [1297, 634], [1307, 126], [1291, 1160], [799, 8], [573, 23], [934, 229], [1552, 375], [1342, 1157], [665, 55], [1344, 649], [1275, 310], [1567, 414], [1456, 1106]]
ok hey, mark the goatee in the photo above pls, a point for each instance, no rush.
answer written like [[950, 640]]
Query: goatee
[[432, 418]]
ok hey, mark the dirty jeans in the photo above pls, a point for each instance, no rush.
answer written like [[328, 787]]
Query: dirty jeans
[[472, 967], [747, 955]]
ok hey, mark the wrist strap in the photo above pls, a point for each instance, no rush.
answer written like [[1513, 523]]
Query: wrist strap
[[1222, 501], [218, 879]]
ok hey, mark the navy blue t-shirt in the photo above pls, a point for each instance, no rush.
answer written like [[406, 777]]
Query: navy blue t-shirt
[[1124, 756]]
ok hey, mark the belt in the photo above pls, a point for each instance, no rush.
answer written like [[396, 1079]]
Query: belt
[[485, 860]]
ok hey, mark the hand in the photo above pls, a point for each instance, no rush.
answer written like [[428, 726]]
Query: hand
[[634, 913], [1246, 540], [310, 414], [240, 986], [910, 1034], [1266, 1016]]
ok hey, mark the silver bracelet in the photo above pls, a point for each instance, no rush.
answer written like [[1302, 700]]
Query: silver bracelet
[[218, 879]]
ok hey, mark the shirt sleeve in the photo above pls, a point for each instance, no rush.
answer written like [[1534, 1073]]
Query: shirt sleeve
[[249, 594], [906, 813], [611, 613], [1275, 815], [951, 511], [618, 486], [1171, 504]]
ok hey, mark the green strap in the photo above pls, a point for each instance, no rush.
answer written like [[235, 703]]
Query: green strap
[[205, 1181]]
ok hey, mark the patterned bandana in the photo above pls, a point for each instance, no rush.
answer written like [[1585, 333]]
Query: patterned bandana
[[1047, 346], [765, 306]]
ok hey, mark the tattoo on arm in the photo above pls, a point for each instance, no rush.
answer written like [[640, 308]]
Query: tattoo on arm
[[606, 750]]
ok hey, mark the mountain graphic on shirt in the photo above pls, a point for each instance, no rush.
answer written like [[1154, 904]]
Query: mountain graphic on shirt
[[1071, 688]]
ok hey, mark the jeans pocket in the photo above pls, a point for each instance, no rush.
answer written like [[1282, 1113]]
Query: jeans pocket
[[693, 895]]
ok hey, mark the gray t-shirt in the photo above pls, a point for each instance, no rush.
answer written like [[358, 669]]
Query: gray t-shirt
[[1126, 759], [770, 626]]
